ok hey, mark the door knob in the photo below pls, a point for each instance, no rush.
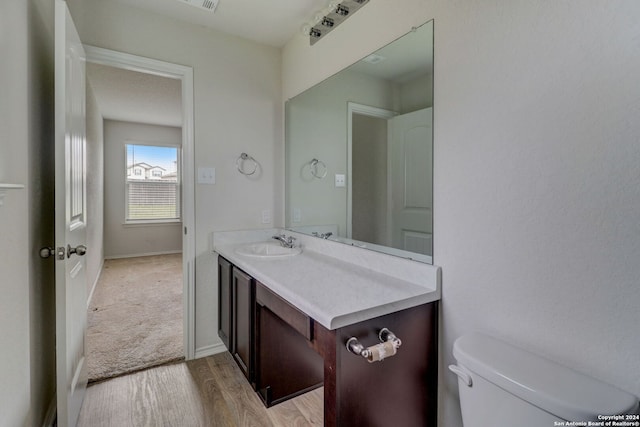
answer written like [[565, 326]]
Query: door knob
[[47, 252], [79, 250]]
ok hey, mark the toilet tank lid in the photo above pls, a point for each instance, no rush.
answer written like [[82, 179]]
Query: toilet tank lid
[[554, 388]]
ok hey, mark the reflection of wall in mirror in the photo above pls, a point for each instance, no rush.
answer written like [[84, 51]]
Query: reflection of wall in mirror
[[316, 123], [319, 125], [316, 128], [415, 94]]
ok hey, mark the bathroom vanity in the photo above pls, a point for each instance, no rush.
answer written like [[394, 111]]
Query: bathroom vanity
[[287, 320]]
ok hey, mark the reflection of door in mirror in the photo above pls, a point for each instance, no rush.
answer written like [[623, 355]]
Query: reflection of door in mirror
[[410, 150], [390, 192]]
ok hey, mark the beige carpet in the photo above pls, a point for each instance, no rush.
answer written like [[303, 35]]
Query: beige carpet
[[135, 316]]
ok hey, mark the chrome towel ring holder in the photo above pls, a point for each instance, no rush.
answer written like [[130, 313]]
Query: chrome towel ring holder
[[313, 165], [240, 164]]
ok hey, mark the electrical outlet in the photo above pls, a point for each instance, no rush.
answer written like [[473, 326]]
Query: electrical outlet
[[297, 215], [266, 216], [340, 180], [206, 175]]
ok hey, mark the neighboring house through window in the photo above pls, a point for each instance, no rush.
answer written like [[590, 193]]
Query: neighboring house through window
[[153, 190]]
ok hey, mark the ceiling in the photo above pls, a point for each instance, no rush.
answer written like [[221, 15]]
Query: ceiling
[[144, 98], [403, 59], [271, 22], [131, 96]]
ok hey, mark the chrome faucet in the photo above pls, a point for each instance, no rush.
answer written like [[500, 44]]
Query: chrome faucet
[[287, 242], [322, 235]]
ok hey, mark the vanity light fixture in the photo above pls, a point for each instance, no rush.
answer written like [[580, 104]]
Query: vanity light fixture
[[342, 10], [330, 17], [328, 22], [209, 5]]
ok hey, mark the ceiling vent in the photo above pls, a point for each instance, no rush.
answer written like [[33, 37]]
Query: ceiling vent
[[373, 59], [209, 5]]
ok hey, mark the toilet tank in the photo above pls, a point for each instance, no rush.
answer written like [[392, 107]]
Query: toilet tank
[[502, 385]]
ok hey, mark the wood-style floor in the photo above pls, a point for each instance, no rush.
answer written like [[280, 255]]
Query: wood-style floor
[[205, 392]]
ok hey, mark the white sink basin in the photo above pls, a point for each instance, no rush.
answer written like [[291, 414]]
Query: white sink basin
[[267, 250]]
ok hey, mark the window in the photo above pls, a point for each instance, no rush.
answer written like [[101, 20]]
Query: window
[[153, 192]]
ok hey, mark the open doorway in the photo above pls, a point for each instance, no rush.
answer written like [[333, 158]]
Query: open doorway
[[368, 197], [141, 306]]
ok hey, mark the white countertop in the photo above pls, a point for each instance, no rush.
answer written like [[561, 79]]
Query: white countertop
[[335, 292]]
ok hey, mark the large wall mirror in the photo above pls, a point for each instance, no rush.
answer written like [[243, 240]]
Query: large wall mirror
[[359, 152]]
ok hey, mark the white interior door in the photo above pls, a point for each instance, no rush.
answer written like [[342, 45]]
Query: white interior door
[[411, 181], [70, 217]]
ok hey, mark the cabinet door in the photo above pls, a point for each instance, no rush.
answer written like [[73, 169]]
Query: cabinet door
[[404, 386], [225, 307], [243, 298]]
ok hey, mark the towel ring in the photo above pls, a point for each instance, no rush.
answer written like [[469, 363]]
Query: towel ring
[[240, 164], [313, 164]]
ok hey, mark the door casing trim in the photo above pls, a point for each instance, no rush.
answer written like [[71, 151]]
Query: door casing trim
[[183, 73]]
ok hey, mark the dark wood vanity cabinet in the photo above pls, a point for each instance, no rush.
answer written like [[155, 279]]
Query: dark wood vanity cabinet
[[224, 301], [286, 363], [401, 390], [236, 315], [242, 324], [283, 353], [269, 339]]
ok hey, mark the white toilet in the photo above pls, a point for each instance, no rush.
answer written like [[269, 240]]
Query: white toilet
[[502, 385]]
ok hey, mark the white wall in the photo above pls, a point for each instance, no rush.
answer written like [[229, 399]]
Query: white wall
[[122, 240], [238, 108], [537, 179], [95, 189], [27, 354], [15, 389]]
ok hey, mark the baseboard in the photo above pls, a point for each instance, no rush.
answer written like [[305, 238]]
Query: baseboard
[[210, 350], [50, 416], [95, 284], [143, 254]]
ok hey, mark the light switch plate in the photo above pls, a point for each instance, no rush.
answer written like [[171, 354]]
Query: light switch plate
[[297, 215], [340, 180], [206, 175]]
